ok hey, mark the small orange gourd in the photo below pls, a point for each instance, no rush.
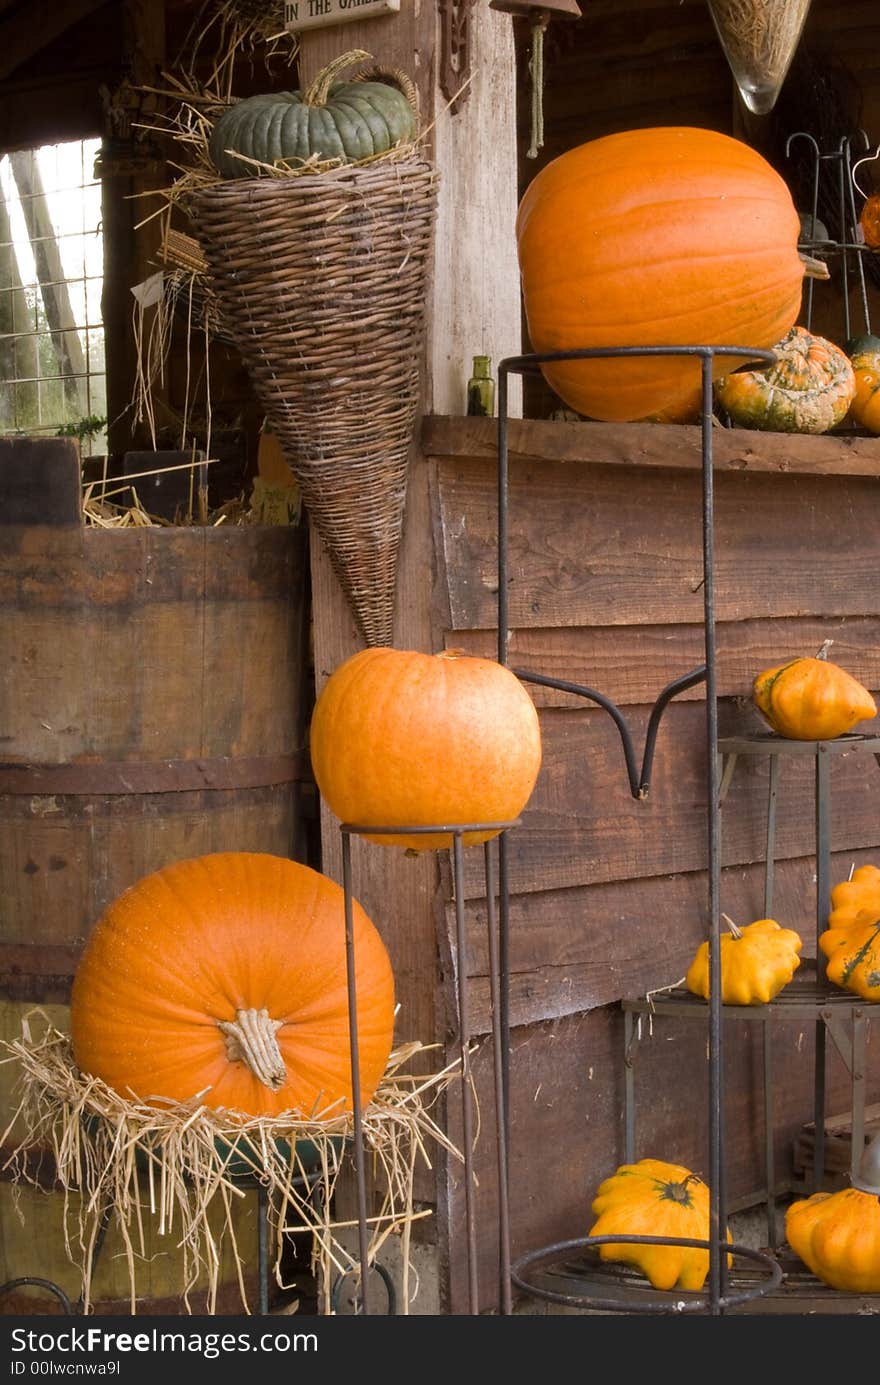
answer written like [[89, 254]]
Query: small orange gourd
[[400, 738], [812, 699], [223, 978], [869, 221], [864, 354], [655, 1198], [837, 1235], [756, 962]]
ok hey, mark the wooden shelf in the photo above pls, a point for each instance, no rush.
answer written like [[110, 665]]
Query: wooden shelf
[[654, 445]]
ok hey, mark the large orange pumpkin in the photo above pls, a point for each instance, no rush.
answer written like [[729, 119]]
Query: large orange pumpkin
[[667, 236], [224, 978], [404, 738]]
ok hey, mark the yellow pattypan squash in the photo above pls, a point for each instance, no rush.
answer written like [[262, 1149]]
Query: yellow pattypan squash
[[756, 962], [811, 699], [856, 900], [653, 1198], [854, 958], [837, 1235]]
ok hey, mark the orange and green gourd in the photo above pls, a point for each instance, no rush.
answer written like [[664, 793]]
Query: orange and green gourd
[[223, 979], [756, 962], [401, 738], [837, 1235], [809, 388], [853, 958], [812, 699], [663, 236], [864, 355], [655, 1198]]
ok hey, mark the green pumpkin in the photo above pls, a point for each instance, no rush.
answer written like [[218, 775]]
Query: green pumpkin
[[344, 121], [808, 389]]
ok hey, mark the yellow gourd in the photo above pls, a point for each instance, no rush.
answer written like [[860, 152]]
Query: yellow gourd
[[837, 1235], [812, 699], [756, 962], [857, 900], [654, 1198]]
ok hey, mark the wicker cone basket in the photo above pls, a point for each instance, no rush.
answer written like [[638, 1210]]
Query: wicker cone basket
[[322, 282]]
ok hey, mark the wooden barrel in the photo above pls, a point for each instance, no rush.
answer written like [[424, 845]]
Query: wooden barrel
[[153, 706], [154, 698]]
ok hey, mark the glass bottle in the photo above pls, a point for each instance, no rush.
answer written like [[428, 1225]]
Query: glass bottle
[[481, 389]]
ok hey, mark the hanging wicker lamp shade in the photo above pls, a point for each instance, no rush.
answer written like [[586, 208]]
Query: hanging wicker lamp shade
[[759, 38]]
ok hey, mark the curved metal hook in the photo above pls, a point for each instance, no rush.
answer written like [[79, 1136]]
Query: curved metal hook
[[869, 158], [639, 782], [37, 1282], [801, 134]]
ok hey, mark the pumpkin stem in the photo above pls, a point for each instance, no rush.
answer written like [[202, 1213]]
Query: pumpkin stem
[[319, 89], [250, 1038], [823, 652], [813, 268], [732, 927]]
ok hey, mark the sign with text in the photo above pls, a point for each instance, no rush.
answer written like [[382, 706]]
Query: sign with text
[[317, 14]]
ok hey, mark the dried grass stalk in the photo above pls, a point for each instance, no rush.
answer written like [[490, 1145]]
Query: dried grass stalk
[[174, 1163], [226, 29]]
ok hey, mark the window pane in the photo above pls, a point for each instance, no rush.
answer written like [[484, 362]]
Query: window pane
[[50, 301]]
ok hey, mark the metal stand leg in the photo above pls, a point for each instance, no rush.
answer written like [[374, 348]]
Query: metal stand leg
[[769, 1128], [467, 1096], [770, 852], [823, 899], [498, 1050]]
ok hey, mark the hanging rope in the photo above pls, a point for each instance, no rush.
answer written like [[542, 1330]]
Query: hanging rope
[[536, 71]]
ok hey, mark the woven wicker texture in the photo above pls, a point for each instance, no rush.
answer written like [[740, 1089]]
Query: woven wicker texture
[[322, 282]]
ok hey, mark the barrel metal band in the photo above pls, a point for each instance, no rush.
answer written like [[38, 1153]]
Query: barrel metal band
[[153, 776]]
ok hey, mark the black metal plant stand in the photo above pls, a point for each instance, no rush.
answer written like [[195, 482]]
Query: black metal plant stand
[[498, 987], [719, 1296], [834, 1014], [838, 187]]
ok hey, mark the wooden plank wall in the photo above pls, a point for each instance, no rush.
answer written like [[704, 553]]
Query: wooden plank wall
[[633, 63], [609, 893]]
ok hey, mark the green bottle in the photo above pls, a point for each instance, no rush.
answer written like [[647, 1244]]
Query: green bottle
[[481, 390]]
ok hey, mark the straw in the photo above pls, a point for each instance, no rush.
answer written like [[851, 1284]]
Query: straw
[[188, 1157]]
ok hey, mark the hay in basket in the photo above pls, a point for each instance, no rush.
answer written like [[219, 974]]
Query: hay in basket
[[180, 1165], [759, 38], [320, 268]]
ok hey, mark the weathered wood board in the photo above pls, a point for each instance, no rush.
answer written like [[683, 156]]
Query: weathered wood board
[[609, 894]]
